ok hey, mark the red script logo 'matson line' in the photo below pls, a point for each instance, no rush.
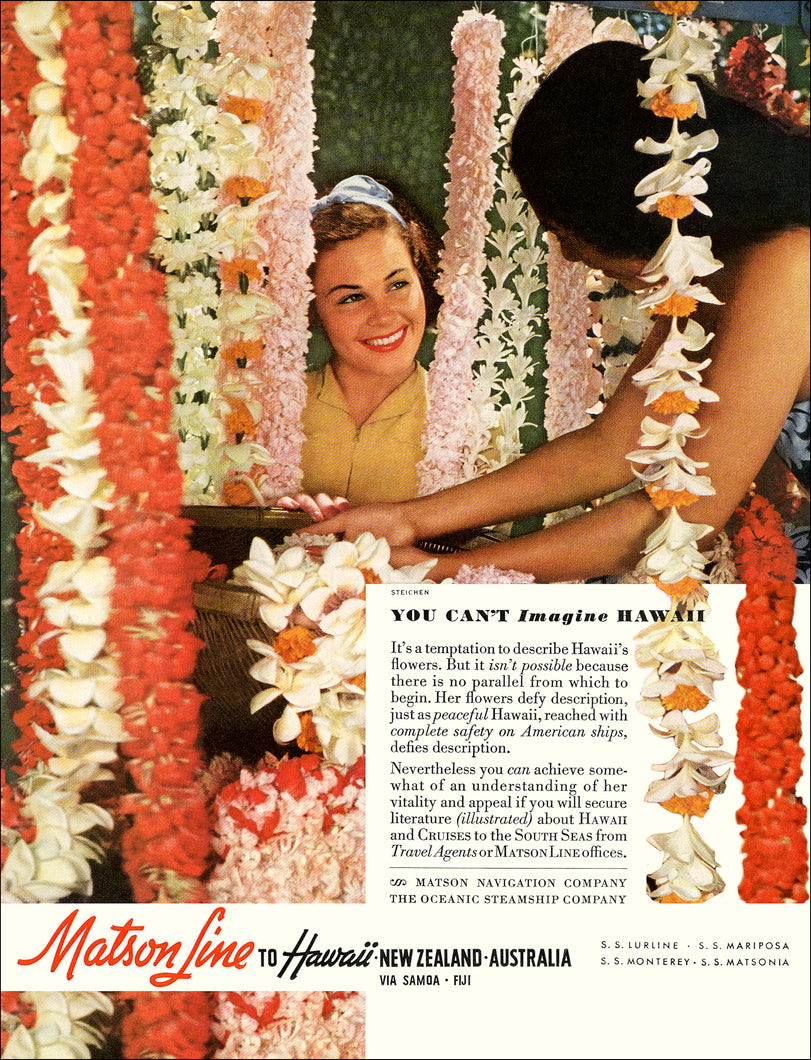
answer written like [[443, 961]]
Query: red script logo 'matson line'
[[126, 945]]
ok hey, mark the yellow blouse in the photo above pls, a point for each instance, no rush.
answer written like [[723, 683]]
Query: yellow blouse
[[374, 462]]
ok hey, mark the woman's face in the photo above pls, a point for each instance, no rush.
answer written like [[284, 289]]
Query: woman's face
[[626, 270], [370, 303]]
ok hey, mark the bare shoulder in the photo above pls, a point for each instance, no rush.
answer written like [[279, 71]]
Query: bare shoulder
[[785, 254]]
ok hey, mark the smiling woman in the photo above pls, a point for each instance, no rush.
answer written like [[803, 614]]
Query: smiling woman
[[373, 277]]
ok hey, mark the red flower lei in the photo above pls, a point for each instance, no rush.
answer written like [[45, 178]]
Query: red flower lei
[[166, 848], [768, 759], [755, 76], [30, 318], [167, 1024]]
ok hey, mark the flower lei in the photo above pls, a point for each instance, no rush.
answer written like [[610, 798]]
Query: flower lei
[[236, 238], [165, 849], [31, 380], [316, 659], [288, 123], [187, 152], [50, 857], [683, 660], [513, 275], [758, 75], [291, 1024], [249, 84], [572, 381], [293, 831], [768, 759], [54, 1023], [173, 1023], [450, 440]]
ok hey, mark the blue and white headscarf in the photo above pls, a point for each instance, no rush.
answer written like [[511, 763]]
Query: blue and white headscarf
[[359, 189]]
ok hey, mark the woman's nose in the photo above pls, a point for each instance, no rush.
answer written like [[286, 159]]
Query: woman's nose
[[380, 310]]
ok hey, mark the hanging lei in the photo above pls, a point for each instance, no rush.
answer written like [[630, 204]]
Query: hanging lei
[[291, 1024], [757, 74], [683, 660], [769, 757], [513, 276], [451, 441], [288, 123], [49, 858], [30, 380], [184, 166], [247, 81], [168, 1024], [198, 155], [572, 381], [54, 1023], [166, 847]]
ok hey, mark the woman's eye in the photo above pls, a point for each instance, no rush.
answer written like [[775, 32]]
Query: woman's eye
[[398, 285], [349, 298]]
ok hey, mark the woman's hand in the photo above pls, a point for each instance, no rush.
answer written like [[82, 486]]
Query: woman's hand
[[319, 507], [383, 520]]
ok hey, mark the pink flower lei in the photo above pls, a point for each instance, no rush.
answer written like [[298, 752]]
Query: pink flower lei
[[476, 43], [572, 382], [288, 123]]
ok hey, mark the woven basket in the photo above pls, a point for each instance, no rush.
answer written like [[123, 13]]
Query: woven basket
[[227, 615]]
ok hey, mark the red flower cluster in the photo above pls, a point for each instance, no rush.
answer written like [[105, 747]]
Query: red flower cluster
[[768, 759], [264, 1007], [29, 318], [168, 1024], [166, 849], [14, 817], [15, 1011], [291, 775], [754, 74]]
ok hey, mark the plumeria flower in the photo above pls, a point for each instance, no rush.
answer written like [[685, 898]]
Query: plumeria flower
[[691, 673], [679, 259], [61, 1028], [686, 182], [689, 753], [74, 519], [340, 724], [685, 50], [621, 318], [688, 870], [186, 31], [366, 551], [685, 782], [39, 24], [675, 475], [670, 551], [300, 685], [703, 731], [679, 145], [245, 313], [672, 641], [248, 77], [665, 374]]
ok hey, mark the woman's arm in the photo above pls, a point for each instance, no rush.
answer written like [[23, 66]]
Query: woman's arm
[[575, 468], [760, 365]]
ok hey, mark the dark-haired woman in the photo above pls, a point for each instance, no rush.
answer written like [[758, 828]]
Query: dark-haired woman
[[373, 276], [573, 154]]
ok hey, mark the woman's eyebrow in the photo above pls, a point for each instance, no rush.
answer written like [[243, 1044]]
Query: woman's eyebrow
[[356, 286]]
